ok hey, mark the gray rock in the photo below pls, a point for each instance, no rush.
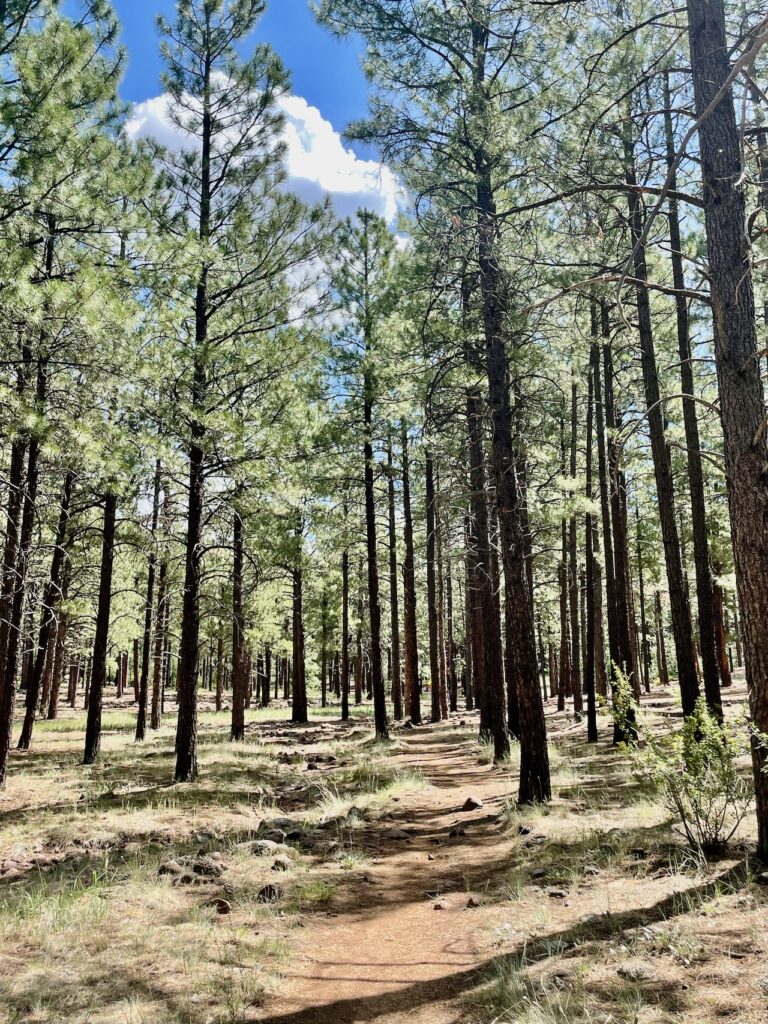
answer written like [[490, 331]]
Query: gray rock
[[220, 905], [265, 848], [397, 833], [474, 901], [281, 823], [591, 869], [170, 867], [634, 972], [269, 894], [472, 803], [282, 864]]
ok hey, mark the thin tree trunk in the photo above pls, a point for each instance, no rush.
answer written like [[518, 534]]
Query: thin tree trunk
[[345, 632], [589, 674], [239, 677], [410, 641], [51, 599], [160, 644], [434, 662], [704, 596], [394, 606], [141, 716], [662, 463], [100, 644], [573, 568]]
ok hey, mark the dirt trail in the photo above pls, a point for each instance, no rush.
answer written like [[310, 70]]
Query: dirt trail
[[386, 953]]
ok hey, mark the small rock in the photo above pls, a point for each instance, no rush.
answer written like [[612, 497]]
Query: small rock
[[639, 853], [220, 905], [523, 830], [269, 894], [472, 803], [763, 985], [556, 894], [282, 824], [457, 832], [275, 835], [282, 864], [440, 905], [408, 725], [265, 848], [397, 833], [762, 878], [474, 901], [208, 867], [538, 873], [591, 869], [634, 972], [430, 856], [170, 867]]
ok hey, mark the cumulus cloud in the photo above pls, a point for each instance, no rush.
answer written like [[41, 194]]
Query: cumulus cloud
[[317, 161]]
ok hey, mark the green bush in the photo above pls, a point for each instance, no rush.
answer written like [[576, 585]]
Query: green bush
[[698, 776]]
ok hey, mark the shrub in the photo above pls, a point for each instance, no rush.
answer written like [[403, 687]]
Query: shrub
[[698, 776]]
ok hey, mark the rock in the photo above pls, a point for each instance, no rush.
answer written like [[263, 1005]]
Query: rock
[[639, 853], [523, 830], [171, 867], [282, 864], [634, 972], [186, 878], [472, 803], [408, 725], [473, 902], [208, 867], [763, 985], [265, 848], [398, 834], [220, 905], [591, 869], [282, 824], [762, 878], [275, 835], [457, 832], [440, 905], [269, 894], [591, 920], [538, 872], [556, 894]]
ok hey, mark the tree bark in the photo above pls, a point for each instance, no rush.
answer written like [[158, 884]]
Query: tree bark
[[51, 600], [239, 675], [394, 606], [434, 663], [101, 641], [662, 463], [141, 715], [410, 648]]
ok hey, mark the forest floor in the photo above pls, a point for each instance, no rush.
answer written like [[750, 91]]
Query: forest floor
[[313, 876]]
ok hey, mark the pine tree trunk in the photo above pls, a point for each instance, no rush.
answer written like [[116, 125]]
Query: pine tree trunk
[[374, 600], [736, 354], [410, 640], [345, 633], [394, 606], [51, 599], [239, 676], [160, 641], [101, 641], [142, 697], [14, 583], [573, 570], [589, 672], [434, 663], [299, 688], [487, 664]]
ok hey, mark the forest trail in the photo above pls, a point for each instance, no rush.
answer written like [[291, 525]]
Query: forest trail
[[401, 939]]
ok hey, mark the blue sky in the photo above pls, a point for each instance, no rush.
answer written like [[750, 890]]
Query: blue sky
[[328, 91], [324, 70]]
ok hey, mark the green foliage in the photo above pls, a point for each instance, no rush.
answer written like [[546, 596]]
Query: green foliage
[[697, 771]]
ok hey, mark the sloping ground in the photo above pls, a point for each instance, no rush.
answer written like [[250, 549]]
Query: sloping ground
[[314, 876]]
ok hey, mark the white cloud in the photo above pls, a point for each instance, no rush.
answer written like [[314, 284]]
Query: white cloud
[[317, 161]]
